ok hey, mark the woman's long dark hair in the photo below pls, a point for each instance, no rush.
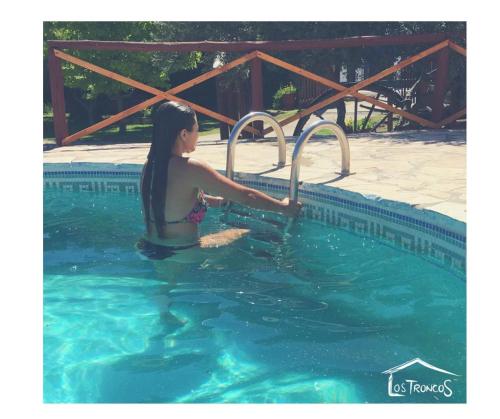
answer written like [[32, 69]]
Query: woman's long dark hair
[[168, 120]]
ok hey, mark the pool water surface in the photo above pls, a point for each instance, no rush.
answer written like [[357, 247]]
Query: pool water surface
[[316, 317]]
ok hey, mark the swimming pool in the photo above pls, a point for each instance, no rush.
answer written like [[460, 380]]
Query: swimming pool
[[316, 317]]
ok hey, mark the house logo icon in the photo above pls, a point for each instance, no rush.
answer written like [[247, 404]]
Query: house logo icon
[[406, 387]]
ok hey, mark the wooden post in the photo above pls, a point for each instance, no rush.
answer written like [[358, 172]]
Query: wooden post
[[257, 90], [57, 95], [441, 82]]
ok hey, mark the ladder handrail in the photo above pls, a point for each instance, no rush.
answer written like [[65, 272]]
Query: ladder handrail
[[304, 139], [238, 128], [297, 151]]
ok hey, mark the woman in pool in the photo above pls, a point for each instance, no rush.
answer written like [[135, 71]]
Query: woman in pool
[[172, 188]]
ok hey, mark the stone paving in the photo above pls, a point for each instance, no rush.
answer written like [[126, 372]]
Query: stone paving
[[425, 168]]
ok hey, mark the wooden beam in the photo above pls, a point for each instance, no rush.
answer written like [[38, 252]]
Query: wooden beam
[[159, 95], [57, 97], [452, 118], [287, 45], [138, 85], [457, 48], [442, 61], [353, 91]]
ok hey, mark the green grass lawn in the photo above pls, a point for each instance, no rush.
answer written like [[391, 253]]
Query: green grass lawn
[[135, 133]]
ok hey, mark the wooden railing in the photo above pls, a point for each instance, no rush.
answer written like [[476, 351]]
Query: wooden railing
[[255, 57]]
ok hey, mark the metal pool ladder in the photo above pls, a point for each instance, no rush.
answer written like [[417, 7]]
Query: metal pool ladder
[[240, 126], [296, 160]]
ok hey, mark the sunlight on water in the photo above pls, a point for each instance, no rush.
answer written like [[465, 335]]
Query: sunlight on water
[[315, 318]]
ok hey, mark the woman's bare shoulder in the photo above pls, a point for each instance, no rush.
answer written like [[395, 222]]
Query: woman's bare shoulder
[[207, 178], [200, 168], [196, 163]]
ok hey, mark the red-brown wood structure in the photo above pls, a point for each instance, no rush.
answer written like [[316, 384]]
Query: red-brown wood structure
[[255, 53]]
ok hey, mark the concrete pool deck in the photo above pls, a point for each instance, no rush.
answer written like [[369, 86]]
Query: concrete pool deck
[[425, 168]]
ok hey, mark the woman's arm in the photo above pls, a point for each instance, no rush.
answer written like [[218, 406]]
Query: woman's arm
[[207, 178]]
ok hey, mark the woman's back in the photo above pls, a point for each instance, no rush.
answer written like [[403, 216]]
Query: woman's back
[[180, 199]]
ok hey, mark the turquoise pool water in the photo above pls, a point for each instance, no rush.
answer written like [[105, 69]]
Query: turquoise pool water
[[315, 318]]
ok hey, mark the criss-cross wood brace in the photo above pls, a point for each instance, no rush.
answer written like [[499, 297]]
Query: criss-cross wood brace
[[171, 93], [159, 95], [354, 90]]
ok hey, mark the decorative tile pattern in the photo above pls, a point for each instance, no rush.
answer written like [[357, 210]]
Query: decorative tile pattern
[[433, 236], [100, 186]]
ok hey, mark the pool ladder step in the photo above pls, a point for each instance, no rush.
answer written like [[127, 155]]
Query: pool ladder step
[[260, 223], [269, 218]]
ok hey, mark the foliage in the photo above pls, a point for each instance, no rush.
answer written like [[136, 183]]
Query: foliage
[[151, 68], [282, 91], [374, 120]]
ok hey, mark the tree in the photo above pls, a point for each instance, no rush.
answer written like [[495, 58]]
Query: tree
[[151, 68], [320, 61]]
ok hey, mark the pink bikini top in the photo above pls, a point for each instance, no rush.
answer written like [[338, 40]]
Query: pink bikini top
[[197, 214]]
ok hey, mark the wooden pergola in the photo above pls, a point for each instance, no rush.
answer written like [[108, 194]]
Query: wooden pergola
[[255, 53]]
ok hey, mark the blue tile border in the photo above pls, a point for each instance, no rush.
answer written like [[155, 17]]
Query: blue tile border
[[359, 207], [90, 173]]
